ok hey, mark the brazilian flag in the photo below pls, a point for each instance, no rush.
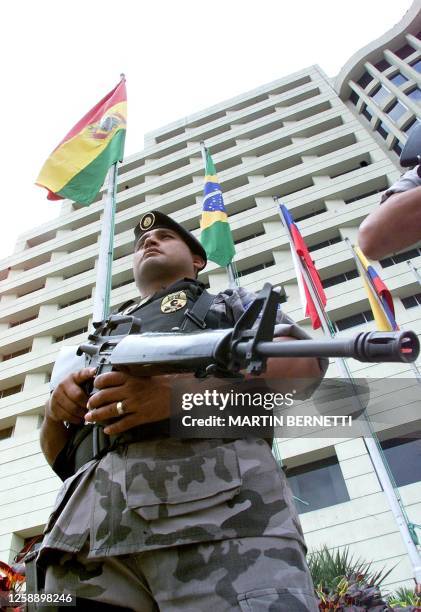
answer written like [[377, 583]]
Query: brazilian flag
[[215, 234]]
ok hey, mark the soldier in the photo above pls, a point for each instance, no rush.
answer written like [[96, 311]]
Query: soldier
[[158, 523]]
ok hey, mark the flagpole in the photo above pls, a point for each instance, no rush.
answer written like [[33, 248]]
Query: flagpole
[[106, 247], [104, 271], [232, 277], [394, 499], [415, 271], [395, 503]]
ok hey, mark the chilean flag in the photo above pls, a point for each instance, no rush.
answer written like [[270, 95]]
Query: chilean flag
[[299, 250]]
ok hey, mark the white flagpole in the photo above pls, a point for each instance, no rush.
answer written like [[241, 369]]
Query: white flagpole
[[395, 502], [106, 247], [103, 282], [232, 277]]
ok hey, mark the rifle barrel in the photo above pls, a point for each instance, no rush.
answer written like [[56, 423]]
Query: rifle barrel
[[401, 347]]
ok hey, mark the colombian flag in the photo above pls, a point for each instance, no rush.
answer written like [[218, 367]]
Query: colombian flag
[[215, 234], [382, 307], [77, 167]]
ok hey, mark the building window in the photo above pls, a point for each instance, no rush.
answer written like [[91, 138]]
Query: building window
[[411, 126], [399, 257], [317, 485], [85, 297], [123, 283], [261, 266], [382, 130], [398, 147], [16, 354], [362, 164], [6, 433], [396, 111], [354, 97], [354, 320], [380, 94], [382, 65], [312, 214], [237, 212], [363, 195], [366, 112], [10, 391], [404, 458], [398, 79], [416, 65], [76, 332], [339, 278], [404, 51], [22, 321], [31, 291], [365, 80], [414, 94], [255, 235], [411, 301], [325, 243]]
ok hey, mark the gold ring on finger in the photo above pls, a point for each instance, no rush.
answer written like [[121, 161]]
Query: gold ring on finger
[[120, 408]]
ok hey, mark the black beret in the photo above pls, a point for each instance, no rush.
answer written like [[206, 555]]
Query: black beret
[[155, 220]]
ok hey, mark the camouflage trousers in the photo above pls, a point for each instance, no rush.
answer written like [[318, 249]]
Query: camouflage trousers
[[253, 574]]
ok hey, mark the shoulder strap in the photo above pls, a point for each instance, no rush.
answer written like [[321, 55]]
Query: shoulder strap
[[195, 317]]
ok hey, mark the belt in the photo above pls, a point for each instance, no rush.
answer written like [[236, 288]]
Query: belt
[[95, 444]]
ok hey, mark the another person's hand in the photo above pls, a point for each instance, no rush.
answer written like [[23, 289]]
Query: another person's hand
[[144, 400], [68, 402]]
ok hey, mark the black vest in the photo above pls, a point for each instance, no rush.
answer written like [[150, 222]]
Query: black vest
[[160, 314], [157, 314]]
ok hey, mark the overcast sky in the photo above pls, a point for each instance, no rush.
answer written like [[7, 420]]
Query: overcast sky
[[60, 58]]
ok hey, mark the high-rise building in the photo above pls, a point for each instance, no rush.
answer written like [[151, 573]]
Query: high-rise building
[[328, 148]]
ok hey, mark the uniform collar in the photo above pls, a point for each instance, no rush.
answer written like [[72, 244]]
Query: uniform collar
[[193, 284]]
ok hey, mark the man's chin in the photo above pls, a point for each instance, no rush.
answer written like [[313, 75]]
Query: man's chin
[[152, 267]]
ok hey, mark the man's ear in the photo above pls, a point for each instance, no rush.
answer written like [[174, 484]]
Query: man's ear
[[198, 262]]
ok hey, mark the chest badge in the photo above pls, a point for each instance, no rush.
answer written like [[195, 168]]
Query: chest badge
[[173, 302]]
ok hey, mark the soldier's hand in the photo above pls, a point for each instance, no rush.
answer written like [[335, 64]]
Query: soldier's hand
[[68, 401], [144, 400]]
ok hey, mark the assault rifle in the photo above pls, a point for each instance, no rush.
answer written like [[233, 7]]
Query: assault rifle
[[225, 352], [222, 352]]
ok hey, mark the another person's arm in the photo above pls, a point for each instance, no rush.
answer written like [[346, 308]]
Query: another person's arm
[[396, 224]]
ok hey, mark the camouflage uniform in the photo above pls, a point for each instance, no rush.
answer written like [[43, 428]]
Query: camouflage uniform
[[182, 524], [409, 180]]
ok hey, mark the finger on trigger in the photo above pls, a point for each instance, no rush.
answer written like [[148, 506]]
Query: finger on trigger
[[83, 375]]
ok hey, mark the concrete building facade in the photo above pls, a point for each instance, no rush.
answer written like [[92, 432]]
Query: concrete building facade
[[327, 148]]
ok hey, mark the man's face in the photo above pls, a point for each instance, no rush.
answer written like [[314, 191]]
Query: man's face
[[161, 253]]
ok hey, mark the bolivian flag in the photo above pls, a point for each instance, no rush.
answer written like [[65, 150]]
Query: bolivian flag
[[77, 167], [215, 234], [382, 307]]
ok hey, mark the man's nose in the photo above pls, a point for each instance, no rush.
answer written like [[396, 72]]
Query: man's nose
[[150, 240]]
